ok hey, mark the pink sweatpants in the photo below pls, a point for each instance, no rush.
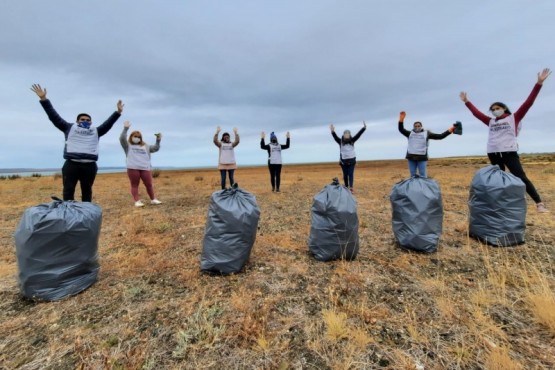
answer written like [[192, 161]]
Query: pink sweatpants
[[135, 176]]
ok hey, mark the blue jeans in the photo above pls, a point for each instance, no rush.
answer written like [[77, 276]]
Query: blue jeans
[[418, 165], [223, 173], [348, 167]]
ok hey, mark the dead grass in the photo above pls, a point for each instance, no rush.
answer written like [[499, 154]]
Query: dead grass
[[466, 306]]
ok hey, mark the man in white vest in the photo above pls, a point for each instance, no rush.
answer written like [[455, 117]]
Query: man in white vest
[[81, 146]]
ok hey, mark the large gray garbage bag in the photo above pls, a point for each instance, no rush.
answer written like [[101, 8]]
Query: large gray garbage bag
[[230, 231], [56, 248], [334, 230], [417, 214], [497, 206]]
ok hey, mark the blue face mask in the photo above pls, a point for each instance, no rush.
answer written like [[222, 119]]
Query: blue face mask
[[84, 124]]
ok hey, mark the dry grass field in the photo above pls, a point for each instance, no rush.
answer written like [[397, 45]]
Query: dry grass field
[[468, 306]]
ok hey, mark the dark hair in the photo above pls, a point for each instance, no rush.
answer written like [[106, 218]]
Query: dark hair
[[417, 122], [225, 134], [502, 105], [83, 114]]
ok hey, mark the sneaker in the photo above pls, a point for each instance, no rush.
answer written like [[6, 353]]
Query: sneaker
[[155, 201], [278, 191], [139, 204], [541, 208], [352, 190], [273, 190]]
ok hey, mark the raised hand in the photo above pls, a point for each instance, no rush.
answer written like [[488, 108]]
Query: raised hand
[[235, 131], [332, 127], [288, 135], [463, 96], [120, 106], [218, 129], [402, 116], [158, 136], [364, 123], [542, 76], [126, 124], [263, 135], [37, 89]]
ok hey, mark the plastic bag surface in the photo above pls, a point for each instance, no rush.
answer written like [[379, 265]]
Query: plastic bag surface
[[57, 249], [497, 207], [417, 214], [334, 229], [230, 231]]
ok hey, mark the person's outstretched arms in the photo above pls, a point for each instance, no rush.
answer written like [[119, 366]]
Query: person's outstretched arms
[[263, 144], [109, 123], [236, 139], [443, 135], [335, 137], [359, 133], [401, 127], [481, 116], [156, 146], [53, 116], [287, 141], [216, 141], [123, 136], [523, 109]]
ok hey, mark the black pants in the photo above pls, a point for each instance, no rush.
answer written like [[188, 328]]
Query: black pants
[[275, 175], [84, 173], [348, 167], [231, 180], [511, 160]]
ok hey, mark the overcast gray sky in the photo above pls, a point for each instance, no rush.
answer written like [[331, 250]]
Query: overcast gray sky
[[184, 67]]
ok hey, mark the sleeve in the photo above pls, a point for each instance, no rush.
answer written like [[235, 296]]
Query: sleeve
[[287, 143], [403, 130], [216, 141], [107, 125], [54, 117], [236, 141], [359, 133], [481, 116], [154, 148], [523, 109], [263, 145], [336, 138], [123, 139], [441, 136]]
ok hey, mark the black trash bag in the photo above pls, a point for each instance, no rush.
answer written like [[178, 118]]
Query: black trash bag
[[57, 249], [417, 210], [230, 231], [497, 207], [334, 230]]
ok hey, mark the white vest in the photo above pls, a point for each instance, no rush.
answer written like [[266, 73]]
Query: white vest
[[82, 140], [138, 157], [227, 155], [418, 142], [275, 153], [347, 151], [502, 135]]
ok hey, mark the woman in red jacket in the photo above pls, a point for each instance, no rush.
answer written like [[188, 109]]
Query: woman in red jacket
[[504, 128]]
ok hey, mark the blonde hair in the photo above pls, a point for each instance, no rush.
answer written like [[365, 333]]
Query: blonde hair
[[136, 133]]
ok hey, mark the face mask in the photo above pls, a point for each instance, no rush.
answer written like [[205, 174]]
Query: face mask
[[417, 129], [136, 140], [84, 124], [498, 112]]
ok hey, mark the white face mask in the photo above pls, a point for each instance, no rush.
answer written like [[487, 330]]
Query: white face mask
[[135, 140], [498, 112]]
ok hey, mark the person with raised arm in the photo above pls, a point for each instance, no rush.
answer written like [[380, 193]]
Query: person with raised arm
[[274, 149], [81, 146], [417, 151], [137, 154], [226, 159], [504, 128], [347, 155]]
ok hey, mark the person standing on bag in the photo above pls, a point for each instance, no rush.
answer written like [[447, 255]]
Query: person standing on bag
[[274, 157], [81, 146], [137, 154], [347, 155], [504, 128], [417, 151], [226, 161]]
